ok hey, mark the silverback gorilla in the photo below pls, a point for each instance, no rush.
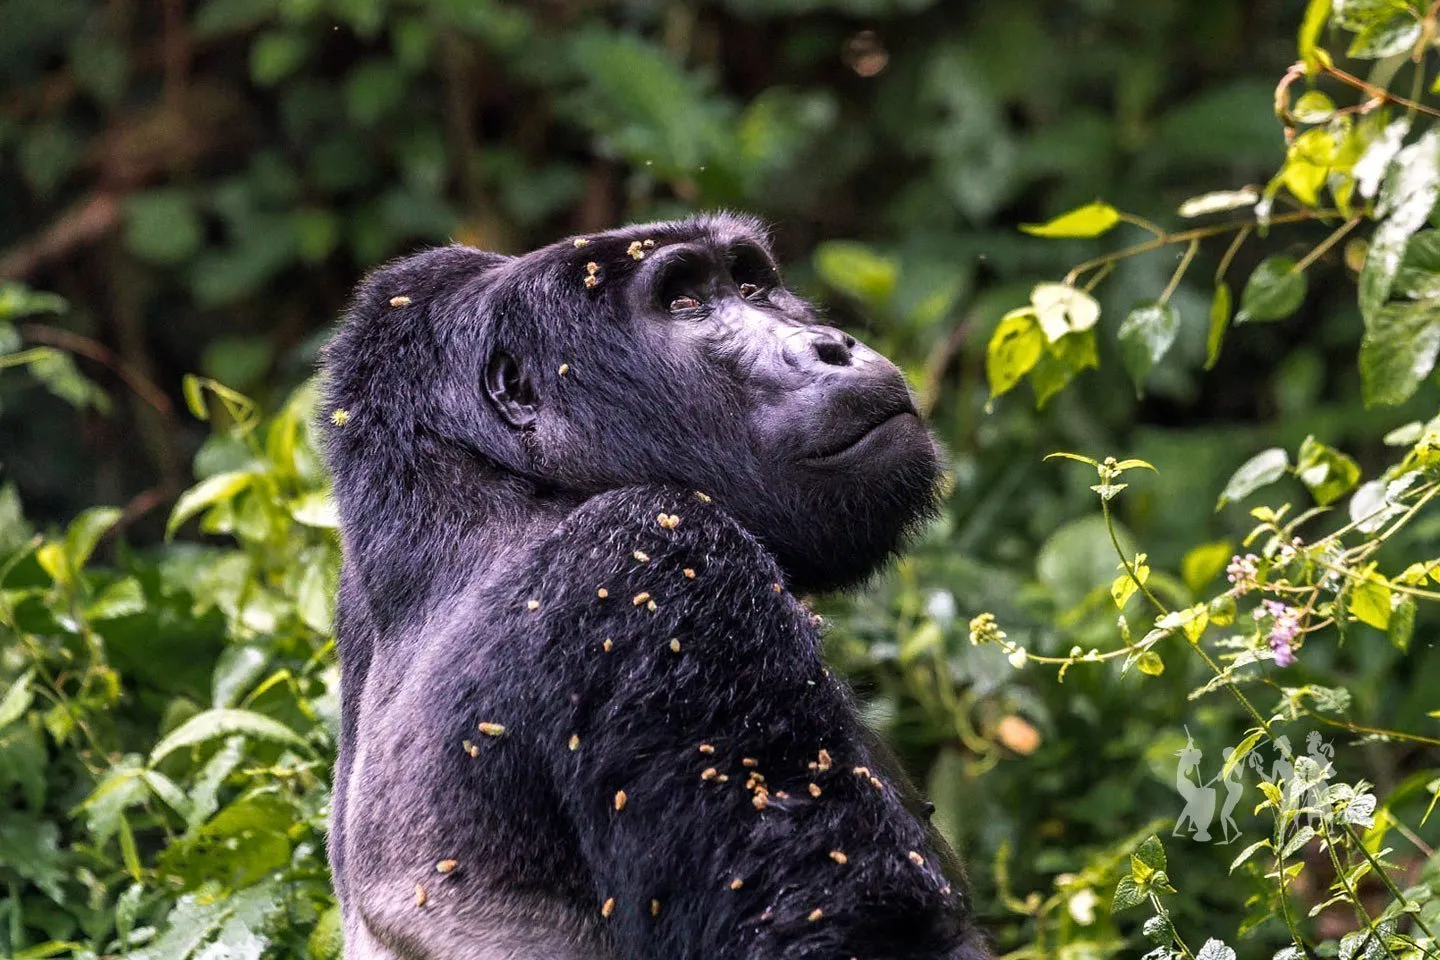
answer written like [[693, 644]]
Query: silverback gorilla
[[584, 715]]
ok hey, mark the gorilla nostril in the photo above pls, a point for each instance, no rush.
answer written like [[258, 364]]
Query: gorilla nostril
[[834, 352], [849, 341]]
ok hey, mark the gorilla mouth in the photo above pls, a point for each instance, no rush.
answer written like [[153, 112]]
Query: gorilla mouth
[[855, 441]]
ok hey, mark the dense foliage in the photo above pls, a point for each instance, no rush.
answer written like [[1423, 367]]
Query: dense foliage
[[201, 184]]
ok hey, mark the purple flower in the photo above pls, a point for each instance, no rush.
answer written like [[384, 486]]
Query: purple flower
[[1284, 628], [1242, 573]]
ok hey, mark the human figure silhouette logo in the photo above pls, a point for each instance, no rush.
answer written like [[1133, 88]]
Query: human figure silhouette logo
[[1226, 786]]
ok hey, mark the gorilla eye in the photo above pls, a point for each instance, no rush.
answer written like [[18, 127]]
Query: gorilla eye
[[684, 303], [748, 290]]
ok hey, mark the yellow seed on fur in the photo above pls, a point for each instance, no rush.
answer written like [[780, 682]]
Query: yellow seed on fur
[[776, 587], [574, 741], [916, 859], [340, 417], [602, 593], [709, 773], [654, 908], [446, 866], [761, 800], [648, 244], [749, 762], [620, 799], [592, 268], [668, 520], [564, 369], [608, 644], [861, 771], [641, 555], [420, 896], [814, 789], [825, 761], [689, 573], [608, 908], [492, 729], [470, 748], [945, 890], [815, 914], [781, 795], [722, 779], [706, 748], [640, 598], [736, 884], [651, 606], [532, 604], [636, 251], [400, 301], [702, 496], [591, 283], [839, 857], [674, 645], [580, 242], [875, 782]]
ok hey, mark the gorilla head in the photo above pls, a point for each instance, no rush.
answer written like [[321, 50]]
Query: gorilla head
[[662, 353]]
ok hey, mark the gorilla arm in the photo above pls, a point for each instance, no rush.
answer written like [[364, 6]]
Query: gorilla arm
[[715, 774]]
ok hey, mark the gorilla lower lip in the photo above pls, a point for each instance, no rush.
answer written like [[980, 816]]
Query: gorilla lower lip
[[857, 442]]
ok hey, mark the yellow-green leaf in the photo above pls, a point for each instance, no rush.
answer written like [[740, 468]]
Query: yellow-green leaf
[[1370, 602], [1219, 323], [1317, 15], [1014, 348], [1205, 563], [1091, 220], [1150, 664]]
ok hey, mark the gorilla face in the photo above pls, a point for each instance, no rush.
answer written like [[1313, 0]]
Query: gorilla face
[[676, 355]]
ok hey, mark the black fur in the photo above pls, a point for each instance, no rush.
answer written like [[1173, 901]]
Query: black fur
[[476, 556]]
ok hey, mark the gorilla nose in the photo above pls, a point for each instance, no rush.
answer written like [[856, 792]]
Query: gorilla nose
[[830, 346]]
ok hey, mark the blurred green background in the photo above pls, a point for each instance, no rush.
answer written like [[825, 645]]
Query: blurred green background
[[203, 181]]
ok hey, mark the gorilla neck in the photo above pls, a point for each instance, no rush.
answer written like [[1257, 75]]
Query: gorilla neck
[[412, 525]]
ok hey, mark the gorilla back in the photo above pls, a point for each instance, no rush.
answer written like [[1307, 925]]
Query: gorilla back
[[584, 716]]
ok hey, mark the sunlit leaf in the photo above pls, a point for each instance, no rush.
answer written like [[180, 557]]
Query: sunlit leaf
[[1091, 220], [1145, 336], [223, 723], [1260, 470], [856, 270], [1328, 473], [1204, 563], [1014, 348], [1317, 15], [1385, 38], [1370, 602], [207, 493], [1398, 351]]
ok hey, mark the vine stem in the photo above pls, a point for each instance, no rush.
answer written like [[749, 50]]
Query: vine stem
[[1378, 93], [1324, 245], [1386, 879], [1360, 912], [1179, 271], [1230, 251], [1184, 236]]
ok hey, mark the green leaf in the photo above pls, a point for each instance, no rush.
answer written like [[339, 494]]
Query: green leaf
[[1313, 107], [1014, 348], [1127, 894], [207, 493], [1328, 473], [1061, 454], [1219, 323], [1274, 291], [1248, 852], [223, 723], [1150, 664], [17, 699], [123, 598], [1419, 275], [1204, 563], [276, 55], [1402, 624], [1123, 587], [1091, 220], [326, 938], [1151, 852], [1385, 38], [1410, 185], [1317, 15], [85, 532], [857, 271], [1370, 602], [1215, 950], [1260, 470], [1145, 336], [163, 226], [1398, 350], [1060, 362]]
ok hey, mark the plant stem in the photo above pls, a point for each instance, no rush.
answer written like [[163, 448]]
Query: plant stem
[[1325, 245], [1179, 271]]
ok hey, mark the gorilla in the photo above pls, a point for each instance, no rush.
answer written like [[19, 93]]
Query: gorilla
[[584, 714]]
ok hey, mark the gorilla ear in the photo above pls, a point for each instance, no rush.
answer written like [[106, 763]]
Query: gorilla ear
[[510, 391]]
